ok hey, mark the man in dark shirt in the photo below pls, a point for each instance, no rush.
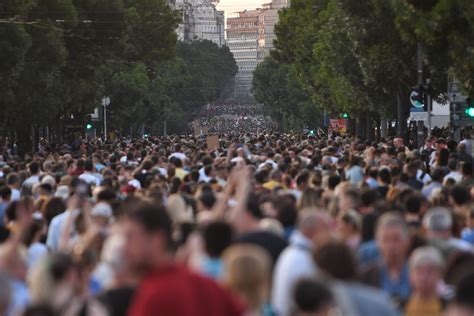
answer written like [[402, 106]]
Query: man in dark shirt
[[166, 288], [253, 234]]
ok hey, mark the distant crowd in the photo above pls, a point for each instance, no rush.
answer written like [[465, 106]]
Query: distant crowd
[[228, 118]]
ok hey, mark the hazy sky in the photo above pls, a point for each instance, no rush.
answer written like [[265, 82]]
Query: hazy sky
[[230, 6]]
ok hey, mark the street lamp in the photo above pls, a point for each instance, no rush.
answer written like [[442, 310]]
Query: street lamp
[[105, 104]]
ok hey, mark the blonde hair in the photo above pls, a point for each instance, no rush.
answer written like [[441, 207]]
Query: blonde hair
[[247, 273]]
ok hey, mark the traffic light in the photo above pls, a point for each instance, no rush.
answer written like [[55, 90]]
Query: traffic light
[[417, 99], [345, 115], [89, 125], [469, 108]]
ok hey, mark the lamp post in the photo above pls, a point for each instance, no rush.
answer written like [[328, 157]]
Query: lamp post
[[105, 104]]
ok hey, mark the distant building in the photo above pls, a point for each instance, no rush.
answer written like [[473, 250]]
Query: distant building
[[271, 19], [250, 36], [200, 21], [246, 40]]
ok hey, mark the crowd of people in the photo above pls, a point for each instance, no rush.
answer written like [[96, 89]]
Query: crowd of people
[[263, 224], [228, 118]]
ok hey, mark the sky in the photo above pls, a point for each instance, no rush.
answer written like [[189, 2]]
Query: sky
[[230, 6]]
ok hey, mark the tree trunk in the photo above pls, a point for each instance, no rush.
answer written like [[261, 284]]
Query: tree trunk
[[23, 140]]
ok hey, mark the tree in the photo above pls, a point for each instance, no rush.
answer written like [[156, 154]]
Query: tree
[[349, 56], [445, 28], [276, 87]]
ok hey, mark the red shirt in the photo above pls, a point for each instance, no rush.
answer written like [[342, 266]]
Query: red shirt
[[176, 291]]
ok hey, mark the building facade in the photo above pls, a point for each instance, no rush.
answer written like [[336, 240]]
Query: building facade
[[246, 40], [271, 19], [201, 21]]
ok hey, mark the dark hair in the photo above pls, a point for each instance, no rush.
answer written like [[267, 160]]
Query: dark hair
[[207, 199], [413, 203], [12, 178], [465, 291], [5, 192], [333, 181], [287, 212], [34, 167], [443, 156], [384, 175], [40, 310], [217, 237], [153, 218], [467, 168], [88, 165], [311, 296], [460, 195], [336, 259], [106, 195], [177, 162], [32, 230], [52, 207], [437, 174], [253, 207]]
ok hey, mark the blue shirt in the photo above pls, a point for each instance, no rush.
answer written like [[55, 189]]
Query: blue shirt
[[212, 267], [468, 235], [368, 252], [20, 297], [399, 288]]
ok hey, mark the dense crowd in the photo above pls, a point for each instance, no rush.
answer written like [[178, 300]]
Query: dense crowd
[[265, 224], [228, 118]]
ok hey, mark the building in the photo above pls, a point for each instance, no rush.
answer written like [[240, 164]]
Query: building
[[201, 21], [271, 19], [246, 40]]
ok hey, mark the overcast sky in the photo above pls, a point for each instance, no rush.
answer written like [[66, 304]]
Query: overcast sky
[[230, 6]]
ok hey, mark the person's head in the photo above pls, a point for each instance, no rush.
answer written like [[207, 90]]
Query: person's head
[[349, 224], [426, 265], [438, 223], [467, 169], [442, 157], [53, 280], [453, 164], [392, 237], [88, 165], [13, 180], [397, 142], [311, 198], [51, 207], [460, 195], [34, 168], [302, 180], [217, 237], [147, 230], [247, 273], [384, 176], [314, 224], [312, 298], [206, 201], [336, 260], [437, 175], [463, 304], [5, 194]]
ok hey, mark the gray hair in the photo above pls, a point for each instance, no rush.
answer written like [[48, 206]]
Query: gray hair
[[438, 219], [426, 255], [392, 219]]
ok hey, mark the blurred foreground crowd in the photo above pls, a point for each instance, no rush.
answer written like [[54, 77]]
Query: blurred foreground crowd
[[270, 224]]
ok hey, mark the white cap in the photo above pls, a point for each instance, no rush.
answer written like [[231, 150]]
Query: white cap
[[49, 180], [62, 191], [102, 209]]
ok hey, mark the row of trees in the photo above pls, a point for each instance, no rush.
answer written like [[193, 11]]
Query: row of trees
[[58, 58], [359, 57]]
